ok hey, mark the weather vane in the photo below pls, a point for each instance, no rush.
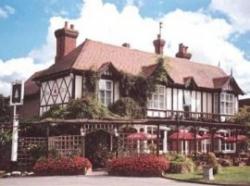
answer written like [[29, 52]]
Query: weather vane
[[160, 27]]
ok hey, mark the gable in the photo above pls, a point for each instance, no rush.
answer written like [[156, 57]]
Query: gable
[[227, 83]]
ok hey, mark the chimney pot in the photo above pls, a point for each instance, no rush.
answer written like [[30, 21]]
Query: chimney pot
[[66, 24], [159, 45], [72, 27], [127, 45], [182, 53]]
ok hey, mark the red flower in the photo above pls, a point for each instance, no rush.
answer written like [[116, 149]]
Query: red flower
[[62, 166], [144, 165]]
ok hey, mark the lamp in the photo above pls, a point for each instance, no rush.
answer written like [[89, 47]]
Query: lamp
[[116, 132], [82, 131]]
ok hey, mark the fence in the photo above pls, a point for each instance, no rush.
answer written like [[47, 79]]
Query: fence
[[29, 148]]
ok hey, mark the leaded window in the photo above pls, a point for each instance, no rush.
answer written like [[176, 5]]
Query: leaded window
[[226, 103], [157, 99], [106, 92]]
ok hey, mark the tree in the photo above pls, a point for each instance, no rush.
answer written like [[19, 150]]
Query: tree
[[4, 109], [243, 116]]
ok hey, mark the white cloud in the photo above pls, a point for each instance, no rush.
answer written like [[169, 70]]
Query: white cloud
[[237, 11], [207, 37], [5, 11], [17, 69]]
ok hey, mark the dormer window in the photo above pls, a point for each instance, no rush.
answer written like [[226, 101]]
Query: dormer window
[[106, 91], [157, 99]]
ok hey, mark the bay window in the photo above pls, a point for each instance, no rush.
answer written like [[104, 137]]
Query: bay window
[[157, 99], [226, 103], [106, 91]]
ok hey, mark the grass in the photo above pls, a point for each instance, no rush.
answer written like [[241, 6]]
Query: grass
[[228, 175]]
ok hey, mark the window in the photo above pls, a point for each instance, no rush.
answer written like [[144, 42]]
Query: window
[[106, 92], [157, 99], [227, 146], [227, 103]]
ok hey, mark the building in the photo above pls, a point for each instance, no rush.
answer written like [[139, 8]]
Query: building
[[195, 95], [244, 102]]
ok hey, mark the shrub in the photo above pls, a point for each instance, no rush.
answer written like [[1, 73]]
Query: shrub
[[55, 111], [62, 166], [225, 162], [180, 164], [213, 162], [36, 151], [144, 165], [87, 107]]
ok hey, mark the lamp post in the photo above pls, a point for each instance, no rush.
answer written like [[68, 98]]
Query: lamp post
[[82, 134]]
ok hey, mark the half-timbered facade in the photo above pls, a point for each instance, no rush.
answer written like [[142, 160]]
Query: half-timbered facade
[[194, 91]]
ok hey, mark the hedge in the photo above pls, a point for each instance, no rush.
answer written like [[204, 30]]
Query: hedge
[[62, 166], [143, 165]]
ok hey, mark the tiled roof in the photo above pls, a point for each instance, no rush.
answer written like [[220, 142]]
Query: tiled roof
[[92, 55], [30, 87]]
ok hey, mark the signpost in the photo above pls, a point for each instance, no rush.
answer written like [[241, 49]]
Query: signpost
[[16, 98]]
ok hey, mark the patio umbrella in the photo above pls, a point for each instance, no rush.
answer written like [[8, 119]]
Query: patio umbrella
[[240, 138], [182, 135], [141, 136], [208, 136]]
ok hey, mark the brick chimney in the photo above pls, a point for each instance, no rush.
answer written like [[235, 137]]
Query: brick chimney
[[65, 41], [182, 53], [159, 45]]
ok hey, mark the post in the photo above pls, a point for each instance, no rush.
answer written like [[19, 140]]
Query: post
[[14, 148], [236, 141], [177, 142], [47, 136], [212, 140], [158, 139], [195, 141], [82, 134]]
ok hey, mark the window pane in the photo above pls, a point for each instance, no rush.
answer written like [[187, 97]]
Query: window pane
[[102, 96], [161, 90], [108, 98], [161, 101], [108, 85]]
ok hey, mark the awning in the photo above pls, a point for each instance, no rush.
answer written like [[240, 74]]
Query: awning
[[141, 136]]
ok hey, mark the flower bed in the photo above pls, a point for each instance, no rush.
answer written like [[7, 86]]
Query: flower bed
[[62, 166], [144, 165]]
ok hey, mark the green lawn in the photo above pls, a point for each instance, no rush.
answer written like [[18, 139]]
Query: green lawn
[[230, 175]]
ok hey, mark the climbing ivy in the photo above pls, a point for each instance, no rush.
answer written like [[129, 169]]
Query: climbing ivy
[[127, 107], [91, 78], [139, 87]]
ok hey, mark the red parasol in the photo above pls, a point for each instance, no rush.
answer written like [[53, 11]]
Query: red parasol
[[183, 135], [240, 138], [141, 136], [208, 136]]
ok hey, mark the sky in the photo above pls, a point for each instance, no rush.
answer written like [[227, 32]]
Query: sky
[[216, 31]]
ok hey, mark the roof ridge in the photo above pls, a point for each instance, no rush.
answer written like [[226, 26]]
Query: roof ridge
[[118, 46], [153, 54]]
